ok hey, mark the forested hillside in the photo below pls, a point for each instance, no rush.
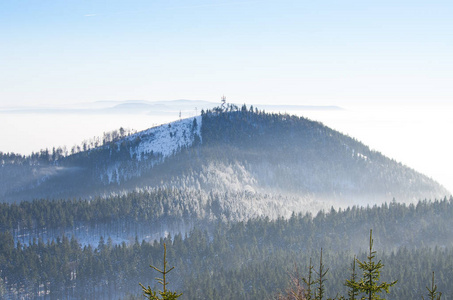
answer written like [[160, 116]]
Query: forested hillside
[[239, 196], [225, 150], [241, 260]]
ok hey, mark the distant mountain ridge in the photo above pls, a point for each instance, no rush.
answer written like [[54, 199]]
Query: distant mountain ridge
[[278, 162], [146, 107]]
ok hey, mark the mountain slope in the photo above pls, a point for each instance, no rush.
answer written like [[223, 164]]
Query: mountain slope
[[280, 161]]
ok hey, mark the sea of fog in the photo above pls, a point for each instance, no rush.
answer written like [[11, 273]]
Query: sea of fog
[[416, 135]]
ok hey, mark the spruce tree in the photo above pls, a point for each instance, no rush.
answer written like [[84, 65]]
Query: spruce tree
[[369, 283], [432, 293], [353, 291], [165, 294], [319, 294], [309, 282]]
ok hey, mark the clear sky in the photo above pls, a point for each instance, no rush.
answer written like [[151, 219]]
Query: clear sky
[[304, 52]]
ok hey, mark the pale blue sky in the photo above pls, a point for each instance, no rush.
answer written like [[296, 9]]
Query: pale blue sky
[[306, 52]]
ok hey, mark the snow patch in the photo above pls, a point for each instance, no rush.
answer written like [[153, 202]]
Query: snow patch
[[167, 139], [364, 157]]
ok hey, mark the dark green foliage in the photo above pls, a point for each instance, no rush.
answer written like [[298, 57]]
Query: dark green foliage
[[128, 210], [217, 259], [369, 283], [394, 222], [228, 261], [151, 294], [303, 155]]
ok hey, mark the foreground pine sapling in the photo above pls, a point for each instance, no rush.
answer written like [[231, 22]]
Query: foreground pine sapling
[[319, 294], [432, 293], [353, 291], [165, 294], [370, 278], [309, 282]]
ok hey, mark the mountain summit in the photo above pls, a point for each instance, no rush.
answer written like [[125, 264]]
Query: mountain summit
[[271, 163]]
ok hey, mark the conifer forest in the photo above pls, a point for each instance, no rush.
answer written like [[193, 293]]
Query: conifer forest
[[226, 150], [244, 205]]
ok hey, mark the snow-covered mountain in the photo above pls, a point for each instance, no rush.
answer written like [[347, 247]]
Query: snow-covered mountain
[[271, 164], [152, 147], [166, 139]]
